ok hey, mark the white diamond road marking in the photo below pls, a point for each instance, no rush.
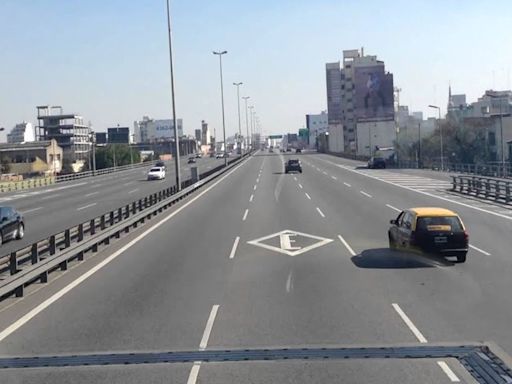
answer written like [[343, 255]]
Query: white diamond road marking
[[286, 242]]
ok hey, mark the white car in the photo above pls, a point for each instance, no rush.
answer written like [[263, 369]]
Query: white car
[[156, 173]]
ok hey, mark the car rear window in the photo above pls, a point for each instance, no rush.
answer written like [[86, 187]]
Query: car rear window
[[439, 223], [292, 162], [154, 170]]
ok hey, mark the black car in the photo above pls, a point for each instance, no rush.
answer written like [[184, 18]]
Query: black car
[[160, 164], [376, 162], [11, 224], [298, 150], [192, 160], [292, 165]]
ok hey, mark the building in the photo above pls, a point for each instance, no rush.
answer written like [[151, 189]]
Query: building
[[118, 135], [37, 157], [154, 130], [358, 90], [101, 137], [22, 133], [198, 136], [69, 130], [206, 138], [372, 135], [316, 125]]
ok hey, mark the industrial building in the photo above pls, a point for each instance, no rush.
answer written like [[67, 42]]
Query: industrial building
[[37, 157]]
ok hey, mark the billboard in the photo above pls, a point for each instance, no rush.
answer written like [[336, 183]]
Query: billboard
[[373, 93]]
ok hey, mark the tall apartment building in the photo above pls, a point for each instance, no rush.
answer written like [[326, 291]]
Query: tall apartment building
[[150, 130], [22, 133], [206, 138]]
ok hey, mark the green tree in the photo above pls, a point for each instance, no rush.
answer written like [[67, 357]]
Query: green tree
[[5, 167], [120, 152]]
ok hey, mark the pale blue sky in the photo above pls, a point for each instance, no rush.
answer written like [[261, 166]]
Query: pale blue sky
[[108, 59]]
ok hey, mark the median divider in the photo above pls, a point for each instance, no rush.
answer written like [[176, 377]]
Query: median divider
[[483, 187], [34, 262]]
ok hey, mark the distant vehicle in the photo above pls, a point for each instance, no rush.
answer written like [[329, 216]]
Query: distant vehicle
[[156, 173], [292, 165], [11, 224], [191, 160], [160, 164], [212, 154], [376, 162], [288, 149], [431, 230], [221, 155], [199, 155], [298, 150]]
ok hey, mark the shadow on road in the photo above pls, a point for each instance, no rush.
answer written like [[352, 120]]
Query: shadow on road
[[385, 258]]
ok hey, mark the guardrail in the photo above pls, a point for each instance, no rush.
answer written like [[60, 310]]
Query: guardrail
[[104, 171], [34, 262], [490, 170], [483, 187]]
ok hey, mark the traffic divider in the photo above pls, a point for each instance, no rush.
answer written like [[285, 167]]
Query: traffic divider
[[483, 187]]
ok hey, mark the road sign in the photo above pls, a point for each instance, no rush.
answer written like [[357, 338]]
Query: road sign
[[275, 136], [291, 243]]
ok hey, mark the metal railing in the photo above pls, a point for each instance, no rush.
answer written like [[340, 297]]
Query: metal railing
[[33, 263], [483, 187], [104, 171], [490, 170]]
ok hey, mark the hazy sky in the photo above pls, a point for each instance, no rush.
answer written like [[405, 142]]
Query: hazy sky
[[108, 59]]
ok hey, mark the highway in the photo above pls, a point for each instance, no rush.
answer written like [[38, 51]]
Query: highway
[[261, 259], [51, 209]]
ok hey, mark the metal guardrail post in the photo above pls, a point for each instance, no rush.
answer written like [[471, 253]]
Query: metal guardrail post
[[52, 245], [92, 227], [34, 254], [140, 204], [80, 235], [111, 218], [507, 192], [13, 264], [119, 214], [67, 238], [487, 188], [102, 222]]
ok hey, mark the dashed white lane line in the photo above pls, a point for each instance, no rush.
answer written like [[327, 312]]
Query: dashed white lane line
[[258, 180], [366, 194], [255, 187], [325, 173], [128, 183], [334, 178], [309, 197], [194, 373], [245, 215], [51, 196], [446, 369], [294, 178], [320, 212], [93, 193], [479, 250], [133, 190], [209, 327], [343, 241], [86, 206], [347, 184], [235, 245], [31, 210], [300, 186], [393, 208], [250, 198], [409, 323]]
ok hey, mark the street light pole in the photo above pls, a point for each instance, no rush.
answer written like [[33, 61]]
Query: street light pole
[[252, 125], [176, 139], [246, 123], [237, 85], [419, 144], [222, 103], [440, 133]]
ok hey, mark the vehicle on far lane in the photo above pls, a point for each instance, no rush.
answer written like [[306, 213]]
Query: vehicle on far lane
[[298, 150], [191, 160], [156, 173], [12, 225], [292, 165], [160, 164], [199, 155], [376, 162], [431, 230]]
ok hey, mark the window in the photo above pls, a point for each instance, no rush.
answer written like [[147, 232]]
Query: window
[[492, 138], [450, 223], [407, 222]]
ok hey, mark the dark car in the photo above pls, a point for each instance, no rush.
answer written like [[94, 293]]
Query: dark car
[[431, 230], [191, 160], [376, 162], [298, 150], [199, 155], [11, 224], [160, 164], [292, 165]]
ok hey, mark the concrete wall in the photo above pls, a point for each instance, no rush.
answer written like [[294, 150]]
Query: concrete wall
[[370, 134]]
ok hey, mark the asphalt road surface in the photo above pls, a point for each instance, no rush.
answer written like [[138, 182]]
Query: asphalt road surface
[[262, 259]]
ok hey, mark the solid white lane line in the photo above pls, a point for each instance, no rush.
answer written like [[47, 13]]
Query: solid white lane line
[[209, 327], [446, 369], [309, 197], [31, 210], [56, 296], [300, 186], [320, 212], [479, 250], [51, 196], [409, 323], [343, 241], [194, 373], [86, 206], [366, 194], [347, 184], [334, 178], [92, 193], [245, 215], [255, 187], [393, 208], [235, 245], [250, 198], [133, 190]]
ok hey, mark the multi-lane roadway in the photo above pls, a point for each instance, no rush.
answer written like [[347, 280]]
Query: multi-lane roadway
[[260, 259]]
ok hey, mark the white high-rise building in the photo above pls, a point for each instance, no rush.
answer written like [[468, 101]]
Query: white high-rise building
[[316, 124], [154, 130], [22, 133]]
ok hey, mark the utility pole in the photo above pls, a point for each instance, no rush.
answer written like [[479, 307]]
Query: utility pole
[[220, 53], [237, 85], [246, 122], [419, 144]]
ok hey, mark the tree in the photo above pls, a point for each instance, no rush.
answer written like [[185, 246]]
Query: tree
[[5, 166], [121, 152], [66, 167]]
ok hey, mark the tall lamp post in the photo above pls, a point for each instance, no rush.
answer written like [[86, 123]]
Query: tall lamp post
[[92, 136], [501, 132], [440, 133], [220, 53], [176, 139], [251, 107], [246, 122], [237, 85]]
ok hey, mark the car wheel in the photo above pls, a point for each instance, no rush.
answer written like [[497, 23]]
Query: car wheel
[[392, 244], [20, 232], [461, 258], [300, 171]]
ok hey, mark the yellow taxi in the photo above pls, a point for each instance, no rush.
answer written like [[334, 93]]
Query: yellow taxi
[[431, 230]]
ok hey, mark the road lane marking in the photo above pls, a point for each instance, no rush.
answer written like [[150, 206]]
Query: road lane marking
[[347, 184], [209, 327], [393, 208], [133, 190], [289, 283], [235, 245], [320, 212], [50, 197], [31, 210], [250, 198], [366, 194], [56, 296], [128, 183], [258, 180], [344, 242], [295, 178], [92, 193], [194, 373], [446, 369], [479, 250], [300, 186], [325, 173], [255, 186], [409, 323], [245, 215], [334, 178], [309, 197], [86, 206]]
